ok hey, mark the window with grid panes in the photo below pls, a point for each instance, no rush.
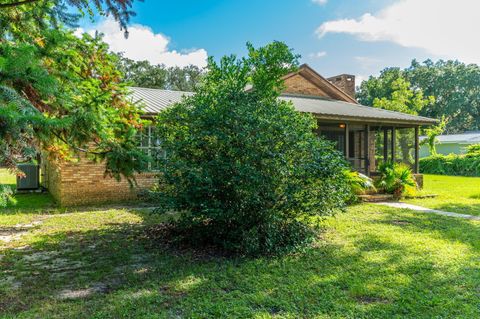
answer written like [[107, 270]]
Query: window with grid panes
[[149, 143]]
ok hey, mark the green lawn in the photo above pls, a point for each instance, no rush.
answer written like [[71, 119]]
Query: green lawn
[[28, 202], [371, 262], [7, 178], [455, 194]]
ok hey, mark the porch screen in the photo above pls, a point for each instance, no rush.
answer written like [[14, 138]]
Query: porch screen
[[334, 133], [405, 146]]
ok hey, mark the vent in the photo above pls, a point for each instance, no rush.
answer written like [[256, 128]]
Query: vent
[[31, 179]]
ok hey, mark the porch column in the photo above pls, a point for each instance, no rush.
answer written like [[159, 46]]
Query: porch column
[[367, 150], [385, 145], [347, 142], [416, 169], [394, 146]]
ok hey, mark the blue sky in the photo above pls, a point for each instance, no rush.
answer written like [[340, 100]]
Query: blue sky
[[359, 37]]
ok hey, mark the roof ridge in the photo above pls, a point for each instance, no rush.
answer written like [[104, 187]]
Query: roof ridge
[[163, 90]]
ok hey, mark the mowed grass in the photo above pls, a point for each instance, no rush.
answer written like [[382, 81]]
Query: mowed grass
[[26, 202], [369, 262], [455, 194], [6, 177]]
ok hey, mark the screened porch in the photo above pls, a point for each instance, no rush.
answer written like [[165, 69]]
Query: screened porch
[[367, 145]]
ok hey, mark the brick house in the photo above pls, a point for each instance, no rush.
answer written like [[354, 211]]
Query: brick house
[[365, 135]]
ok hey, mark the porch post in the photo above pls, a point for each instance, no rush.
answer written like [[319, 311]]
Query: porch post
[[347, 142], [385, 145], [367, 150], [417, 152], [394, 146]]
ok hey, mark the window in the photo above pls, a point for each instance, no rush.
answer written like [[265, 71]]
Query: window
[[149, 143]]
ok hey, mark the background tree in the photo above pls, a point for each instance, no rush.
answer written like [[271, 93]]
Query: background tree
[[244, 169], [455, 86], [432, 133], [378, 87], [144, 74]]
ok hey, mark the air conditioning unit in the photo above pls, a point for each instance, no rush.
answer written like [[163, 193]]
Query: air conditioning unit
[[31, 180]]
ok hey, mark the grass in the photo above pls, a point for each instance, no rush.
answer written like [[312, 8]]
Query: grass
[[7, 178], [455, 194], [371, 262], [26, 202]]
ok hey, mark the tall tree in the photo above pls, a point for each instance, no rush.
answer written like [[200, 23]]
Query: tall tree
[[64, 95], [455, 86], [378, 87], [144, 74], [27, 18]]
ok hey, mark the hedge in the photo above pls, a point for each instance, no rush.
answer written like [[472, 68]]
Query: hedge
[[453, 164]]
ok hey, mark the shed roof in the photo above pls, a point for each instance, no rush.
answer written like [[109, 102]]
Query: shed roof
[[465, 138], [155, 100]]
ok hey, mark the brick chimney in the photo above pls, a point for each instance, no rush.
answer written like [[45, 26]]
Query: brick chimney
[[345, 82]]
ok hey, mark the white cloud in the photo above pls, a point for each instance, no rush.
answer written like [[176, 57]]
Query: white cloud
[[317, 55], [320, 2], [144, 44], [443, 28]]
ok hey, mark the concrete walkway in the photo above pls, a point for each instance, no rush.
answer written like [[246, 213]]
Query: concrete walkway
[[427, 210]]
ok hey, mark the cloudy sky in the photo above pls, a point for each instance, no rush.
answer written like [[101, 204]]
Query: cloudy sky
[[359, 37]]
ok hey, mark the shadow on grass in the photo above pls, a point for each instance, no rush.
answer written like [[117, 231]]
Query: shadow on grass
[[29, 203], [442, 227], [118, 272], [470, 209]]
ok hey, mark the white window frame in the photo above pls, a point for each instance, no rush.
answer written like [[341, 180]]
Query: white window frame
[[153, 147]]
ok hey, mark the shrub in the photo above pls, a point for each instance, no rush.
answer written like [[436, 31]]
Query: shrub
[[244, 169], [359, 184], [473, 149], [6, 196], [396, 179], [452, 164]]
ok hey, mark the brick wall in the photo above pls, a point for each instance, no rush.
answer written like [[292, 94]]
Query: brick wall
[[297, 84], [83, 183], [345, 82]]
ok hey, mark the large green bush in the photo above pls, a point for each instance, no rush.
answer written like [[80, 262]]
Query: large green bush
[[243, 169], [453, 164]]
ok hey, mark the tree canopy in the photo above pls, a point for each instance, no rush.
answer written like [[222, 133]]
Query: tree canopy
[[144, 74], [63, 94], [454, 85], [28, 18]]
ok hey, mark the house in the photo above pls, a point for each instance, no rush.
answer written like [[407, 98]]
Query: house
[[451, 143], [365, 135]]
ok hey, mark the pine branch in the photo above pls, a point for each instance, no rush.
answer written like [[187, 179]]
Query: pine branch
[[16, 4]]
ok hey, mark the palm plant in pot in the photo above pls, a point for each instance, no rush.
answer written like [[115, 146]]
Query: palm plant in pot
[[396, 179]]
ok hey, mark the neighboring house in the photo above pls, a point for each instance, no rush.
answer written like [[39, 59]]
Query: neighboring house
[[451, 143], [363, 134]]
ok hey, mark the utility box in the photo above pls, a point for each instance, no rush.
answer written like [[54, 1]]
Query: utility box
[[31, 181]]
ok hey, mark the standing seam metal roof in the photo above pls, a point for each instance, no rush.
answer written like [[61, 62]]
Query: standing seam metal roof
[[156, 100]]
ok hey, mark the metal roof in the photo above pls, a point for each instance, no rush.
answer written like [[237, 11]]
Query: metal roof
[[465, 138], [155, 100], [328, 108]]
